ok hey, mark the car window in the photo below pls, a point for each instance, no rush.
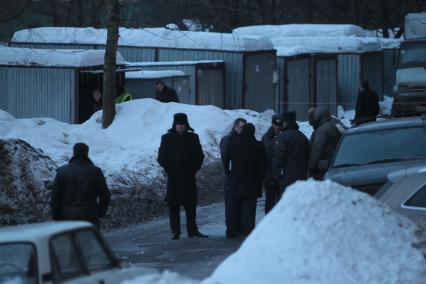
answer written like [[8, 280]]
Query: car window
[[384, 145], [65, 261], [18, 263], [95, 256], [418, 199]]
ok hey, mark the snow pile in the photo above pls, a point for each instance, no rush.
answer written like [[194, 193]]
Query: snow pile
[[164, 278], [130, 145], [303, 30], [149, 37], [25, 178], [289, 46], [415, 26], [53, 57], [147, 74], [321, 232]]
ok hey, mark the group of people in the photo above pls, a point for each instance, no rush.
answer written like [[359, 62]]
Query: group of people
[[282, 157]]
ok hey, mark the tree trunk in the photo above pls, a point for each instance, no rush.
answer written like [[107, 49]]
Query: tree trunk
[[109, 84]]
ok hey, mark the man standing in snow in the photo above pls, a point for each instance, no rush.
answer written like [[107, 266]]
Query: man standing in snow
[[323, 142], [77, 188], [290, 160], [181, 156], [269, 139], [164, 93], [367, 104], [246, 166], [230, 201]]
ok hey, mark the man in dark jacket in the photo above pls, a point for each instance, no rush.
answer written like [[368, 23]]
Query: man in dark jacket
[[272, 189], [230, 201], [77, 188], [323, 142], [367, 104], [181, 156], [290, 161], [164, 93], [246, 165]]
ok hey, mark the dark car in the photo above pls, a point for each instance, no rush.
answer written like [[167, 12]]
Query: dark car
[[368, 153]]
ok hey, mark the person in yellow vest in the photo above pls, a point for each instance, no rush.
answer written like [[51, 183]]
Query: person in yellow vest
[[123, 96]]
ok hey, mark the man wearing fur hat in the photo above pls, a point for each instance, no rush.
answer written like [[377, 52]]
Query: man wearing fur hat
[[181, 156]]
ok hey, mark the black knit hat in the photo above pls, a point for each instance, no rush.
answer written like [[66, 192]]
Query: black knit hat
[[277, 120], [289, 116]]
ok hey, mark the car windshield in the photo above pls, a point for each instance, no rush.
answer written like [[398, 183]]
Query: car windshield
[[18, 263], [413, 53], [381, 147]]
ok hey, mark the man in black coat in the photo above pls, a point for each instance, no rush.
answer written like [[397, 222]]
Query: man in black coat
[[246, 165], [323, 142], [269, 139], [77, 188], [290, 161], [181, 156], [164, 93], [367, 104], [230, 201]]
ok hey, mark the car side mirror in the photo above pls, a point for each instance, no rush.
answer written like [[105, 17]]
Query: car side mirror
[[323, 165]]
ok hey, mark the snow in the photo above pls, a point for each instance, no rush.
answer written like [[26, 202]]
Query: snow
[[52, 57], [415, 26], [129, 146], [390, 43], [149, 37], [386, 105], [290, 46], [302, 30], [172, 63], [165, 277], [321, 232], [154, 74]]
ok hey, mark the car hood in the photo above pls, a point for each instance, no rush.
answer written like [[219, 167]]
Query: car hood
[[369, 174]]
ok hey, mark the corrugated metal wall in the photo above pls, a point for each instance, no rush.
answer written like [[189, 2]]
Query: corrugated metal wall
[[348, 74], [234, 69], [39, 92], [297, 86], [326, 83], [53, 46], [259, 88], [390, 65], [372, 71], [136, 54], [281, 86], [4, 88], [211, 87]]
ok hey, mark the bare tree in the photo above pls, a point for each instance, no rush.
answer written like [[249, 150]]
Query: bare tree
[[109, 84]]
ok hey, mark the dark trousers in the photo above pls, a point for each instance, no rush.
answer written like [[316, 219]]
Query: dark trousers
[[191, 214], [241, 215], [272, 196]]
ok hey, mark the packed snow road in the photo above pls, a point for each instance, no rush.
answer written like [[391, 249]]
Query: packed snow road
[[150, 244]]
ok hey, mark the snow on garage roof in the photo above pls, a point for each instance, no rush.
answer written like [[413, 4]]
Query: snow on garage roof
[[53, 57], [149, 37], [290, 46], [172, 63], [303, 30], [148, 74], [415, 26]]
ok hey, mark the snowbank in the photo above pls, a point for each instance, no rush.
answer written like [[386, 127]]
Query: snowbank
[[148, 74], [290, 46], [130, 144], [303, 30], [25, 177], [53, 57], [163, 278], [326, 233], [149, 37]]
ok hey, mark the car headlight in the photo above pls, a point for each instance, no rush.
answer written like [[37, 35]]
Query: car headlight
[[403, 89]]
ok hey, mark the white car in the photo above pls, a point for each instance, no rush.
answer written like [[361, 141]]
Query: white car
[[60, 252]]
